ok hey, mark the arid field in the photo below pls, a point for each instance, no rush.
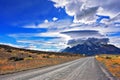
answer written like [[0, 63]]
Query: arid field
[[15, 59], [112, 63]]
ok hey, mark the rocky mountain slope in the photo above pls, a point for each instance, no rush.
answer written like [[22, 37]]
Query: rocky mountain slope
[[93, 46]]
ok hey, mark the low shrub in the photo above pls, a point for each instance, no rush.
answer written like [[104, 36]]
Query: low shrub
[[107, 57], [46, 57], [16, 58]]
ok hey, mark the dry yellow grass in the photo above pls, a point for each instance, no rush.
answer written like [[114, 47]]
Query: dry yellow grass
[[15, 59], [112, 62], [30, 63]]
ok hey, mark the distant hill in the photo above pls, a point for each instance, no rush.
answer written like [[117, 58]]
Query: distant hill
[[93, 46], [8, 48], [8, 52]]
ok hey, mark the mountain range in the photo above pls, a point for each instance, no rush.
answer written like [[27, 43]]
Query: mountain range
[[93, 46]]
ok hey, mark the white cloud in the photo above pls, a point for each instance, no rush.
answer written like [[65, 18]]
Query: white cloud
[[115, 40], [102, 28], [76, 34], [75, 42], [13, 45], [116, 18], [78, 8], [46, 21], [51, 45], [54, 34], [59, 3], [51, 25], [54, 19], [31, 46]]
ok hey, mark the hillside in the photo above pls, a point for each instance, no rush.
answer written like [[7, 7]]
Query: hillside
[[17, 59]]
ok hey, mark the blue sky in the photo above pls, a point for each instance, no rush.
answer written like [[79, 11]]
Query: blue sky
[[42, 24]]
